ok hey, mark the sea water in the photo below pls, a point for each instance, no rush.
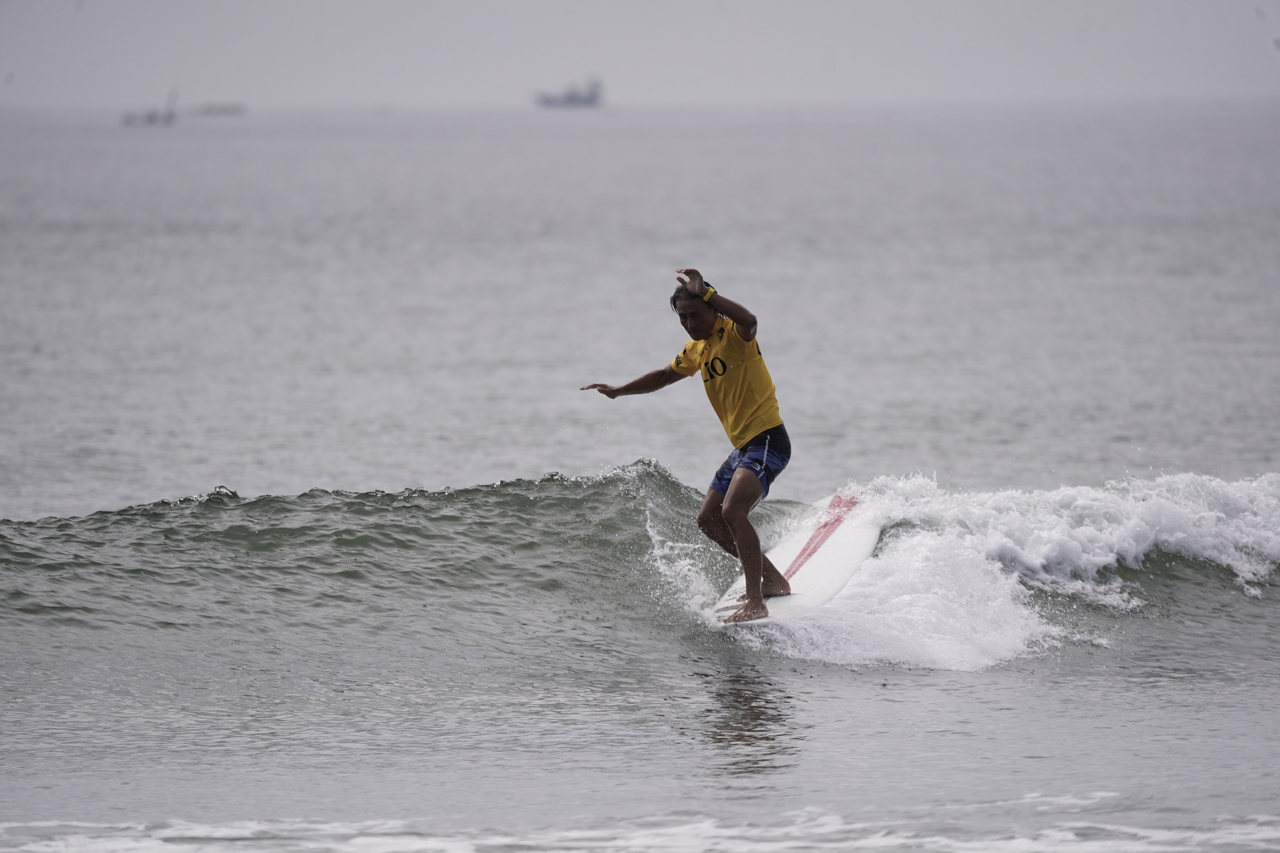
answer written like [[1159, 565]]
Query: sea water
[[312, 542]]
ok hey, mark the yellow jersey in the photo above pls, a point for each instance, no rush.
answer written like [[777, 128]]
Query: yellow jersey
[[737, 382]]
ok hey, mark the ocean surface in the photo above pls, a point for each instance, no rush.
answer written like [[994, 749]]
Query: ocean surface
[[308, 540]]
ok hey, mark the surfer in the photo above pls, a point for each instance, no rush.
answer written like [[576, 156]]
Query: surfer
[[725, 351]]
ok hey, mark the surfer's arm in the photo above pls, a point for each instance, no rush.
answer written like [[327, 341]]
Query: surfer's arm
[[743, 320], [652, 381]]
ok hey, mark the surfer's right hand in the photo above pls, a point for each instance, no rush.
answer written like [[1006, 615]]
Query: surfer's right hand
[[692, 281], [607, 390]]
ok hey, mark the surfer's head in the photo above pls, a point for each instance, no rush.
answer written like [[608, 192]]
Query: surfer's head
[[697, 316]]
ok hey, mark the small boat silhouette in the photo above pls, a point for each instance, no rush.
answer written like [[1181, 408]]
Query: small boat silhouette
[[573, 97], [153, 118]]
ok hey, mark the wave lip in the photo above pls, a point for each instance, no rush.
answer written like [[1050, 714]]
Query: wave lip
[[1065, 540]]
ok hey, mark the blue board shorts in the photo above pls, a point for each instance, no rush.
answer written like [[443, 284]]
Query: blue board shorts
[[766, 455]]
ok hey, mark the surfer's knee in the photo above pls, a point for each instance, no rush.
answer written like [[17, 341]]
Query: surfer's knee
[[734, 513]]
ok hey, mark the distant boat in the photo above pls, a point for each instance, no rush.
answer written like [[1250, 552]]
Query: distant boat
[[573, 98], [154, 118], [221, 110]]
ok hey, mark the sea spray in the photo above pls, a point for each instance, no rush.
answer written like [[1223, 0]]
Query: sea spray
[[922, 601], [949, 586]]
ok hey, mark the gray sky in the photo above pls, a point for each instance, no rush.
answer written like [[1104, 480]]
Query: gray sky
[[496, 53]]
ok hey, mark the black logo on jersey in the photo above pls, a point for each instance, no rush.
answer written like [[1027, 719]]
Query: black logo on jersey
[[712, 369]]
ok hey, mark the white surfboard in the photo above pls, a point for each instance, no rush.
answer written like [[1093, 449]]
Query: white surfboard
[[818, 561]]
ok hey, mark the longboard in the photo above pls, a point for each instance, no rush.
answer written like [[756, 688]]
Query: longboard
[[817, 562]]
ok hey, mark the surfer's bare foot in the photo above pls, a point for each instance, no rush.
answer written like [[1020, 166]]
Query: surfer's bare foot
[[771, 593], [748, 612], [775, 583]]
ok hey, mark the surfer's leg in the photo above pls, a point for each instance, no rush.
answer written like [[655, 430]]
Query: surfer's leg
[[711, 520], [744, 493]]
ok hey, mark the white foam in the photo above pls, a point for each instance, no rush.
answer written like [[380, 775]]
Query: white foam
[[924, 601], [1063, 539], [678, 563], [949, 586], [807, 829]]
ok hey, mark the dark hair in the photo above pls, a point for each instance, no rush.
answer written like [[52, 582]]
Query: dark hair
[[683, 292]]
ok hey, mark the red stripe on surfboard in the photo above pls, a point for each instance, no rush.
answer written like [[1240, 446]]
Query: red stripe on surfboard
[[837, 511]]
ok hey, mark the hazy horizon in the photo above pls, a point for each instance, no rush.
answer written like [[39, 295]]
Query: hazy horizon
[[492, 55]]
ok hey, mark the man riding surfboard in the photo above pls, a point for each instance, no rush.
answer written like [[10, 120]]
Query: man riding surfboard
[[724, 349]]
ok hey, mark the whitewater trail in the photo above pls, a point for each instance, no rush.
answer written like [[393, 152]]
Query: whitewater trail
[[950, 585]]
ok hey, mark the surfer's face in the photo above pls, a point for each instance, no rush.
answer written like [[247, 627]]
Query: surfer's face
[[697, 317]]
